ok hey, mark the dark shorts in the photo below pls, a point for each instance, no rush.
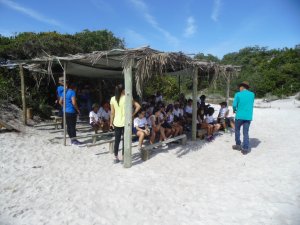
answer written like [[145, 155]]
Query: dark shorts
[[94, 125], [134, 130], [221, 120], [166, 125]]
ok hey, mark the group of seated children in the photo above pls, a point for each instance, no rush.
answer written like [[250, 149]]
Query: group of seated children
[[157, 122], [100, 117]]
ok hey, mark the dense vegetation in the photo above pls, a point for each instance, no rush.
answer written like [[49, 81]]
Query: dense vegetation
[[29, 45], [270, 72]]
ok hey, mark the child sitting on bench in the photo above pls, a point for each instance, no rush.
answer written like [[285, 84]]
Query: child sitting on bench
[[94, 117], [141, 127]]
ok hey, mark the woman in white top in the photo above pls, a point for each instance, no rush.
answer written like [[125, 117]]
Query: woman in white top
[[141, 127]]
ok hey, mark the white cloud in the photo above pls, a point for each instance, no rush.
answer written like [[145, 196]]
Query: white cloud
[[135, 38], [191, 27], [141, 6], [29, 12], [216, 10]]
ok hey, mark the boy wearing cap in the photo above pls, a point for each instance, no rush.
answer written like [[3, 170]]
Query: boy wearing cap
[[243, 107]]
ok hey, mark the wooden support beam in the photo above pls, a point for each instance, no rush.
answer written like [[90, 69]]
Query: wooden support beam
[[128, 118], [228, 88], [195, 95], [23, 93], [64, 107], [100, 86]]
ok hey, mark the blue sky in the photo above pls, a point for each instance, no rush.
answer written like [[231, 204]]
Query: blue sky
[[192, 26]]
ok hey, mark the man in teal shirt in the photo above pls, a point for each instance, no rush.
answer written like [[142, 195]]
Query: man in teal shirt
[[243, 107]]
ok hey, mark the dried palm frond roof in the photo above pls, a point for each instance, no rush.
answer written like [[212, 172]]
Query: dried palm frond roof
[[146, 63]]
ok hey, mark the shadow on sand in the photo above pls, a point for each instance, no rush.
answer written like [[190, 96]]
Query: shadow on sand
[[254, 142]]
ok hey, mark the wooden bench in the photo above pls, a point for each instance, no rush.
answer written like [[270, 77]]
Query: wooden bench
[[110, 147], [93, 136], [56, 118], [49, 124], [145, 151]]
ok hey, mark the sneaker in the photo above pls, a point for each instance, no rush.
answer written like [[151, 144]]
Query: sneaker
[[237, 147], [78, 143], [116, 160], [210, 138], [245, 151]]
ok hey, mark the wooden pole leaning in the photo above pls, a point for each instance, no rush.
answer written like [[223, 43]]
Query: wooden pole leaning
[[194, 115], [64, 106], [128, 117], [23, 93], [228, 87]]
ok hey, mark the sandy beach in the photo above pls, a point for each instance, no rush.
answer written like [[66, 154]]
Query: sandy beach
[[44, 183]]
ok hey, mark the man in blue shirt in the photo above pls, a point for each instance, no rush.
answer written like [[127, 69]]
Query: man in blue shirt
[[243, 107], [71, 112]]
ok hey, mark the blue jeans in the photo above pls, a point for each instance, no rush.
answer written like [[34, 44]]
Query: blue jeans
[[246, 125]]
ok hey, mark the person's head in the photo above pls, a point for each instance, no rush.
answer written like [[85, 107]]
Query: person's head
[[95, 107], [244, 85], [190, 101], [119, 90], [73, 86], [61, 81], [158, 93], [176, 105], [210, 111], [202, 98], [169, 108], [156, 111], [141, 113], [106, 107], [223, 104]]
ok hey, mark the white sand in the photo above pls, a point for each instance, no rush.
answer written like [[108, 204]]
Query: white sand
[[203, 183]]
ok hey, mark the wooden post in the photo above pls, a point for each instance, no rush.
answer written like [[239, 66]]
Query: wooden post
[[179, 84], [100, 86], [23, 93], [195, 108], [228, 88], [128, 117], [64, 107]]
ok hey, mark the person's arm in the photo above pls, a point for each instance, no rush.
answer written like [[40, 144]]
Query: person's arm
[[74, 103], [235, 103], [112, 115], [61, 101], [227, 113], [137, 107]]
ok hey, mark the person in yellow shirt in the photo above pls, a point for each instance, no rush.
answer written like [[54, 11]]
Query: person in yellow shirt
[[117, 119]]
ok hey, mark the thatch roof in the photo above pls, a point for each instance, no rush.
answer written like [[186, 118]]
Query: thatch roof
[[146, 63]]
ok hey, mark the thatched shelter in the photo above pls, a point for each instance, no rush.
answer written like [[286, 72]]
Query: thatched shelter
[[143, 62]]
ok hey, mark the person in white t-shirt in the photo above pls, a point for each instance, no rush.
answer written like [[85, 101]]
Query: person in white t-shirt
[[104, 114], [95, 121], [223, 118], [141, 128], [211, 121], [158, 97]]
